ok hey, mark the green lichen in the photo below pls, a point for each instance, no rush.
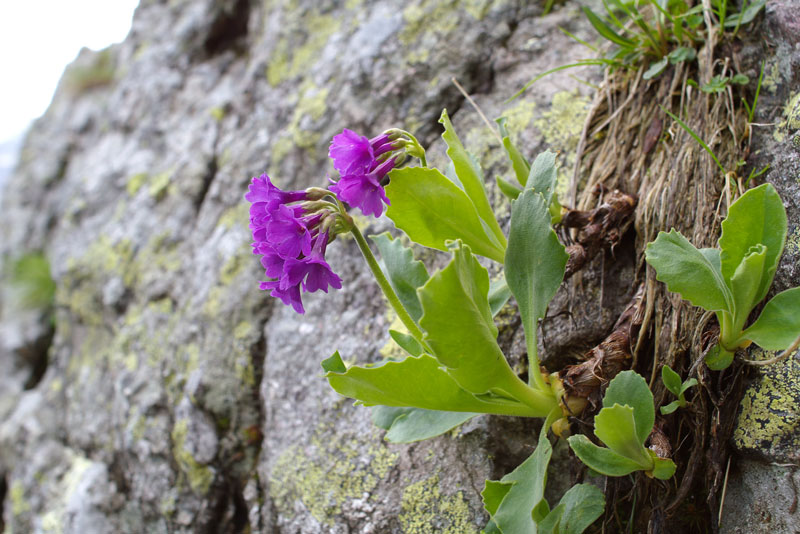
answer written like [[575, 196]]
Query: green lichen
[[330, 470], [772, 77], [218, 113], [424, 22], [98, 72], [19, 505], [793, 242], [157, 188], [769, 418], [136, 182], [520, 116], [426, 510], [289, 60], [236, 215], [791, 118], [197, 475], [561, 127]]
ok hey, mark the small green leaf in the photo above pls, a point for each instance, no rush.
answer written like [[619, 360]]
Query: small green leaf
[[581, 505], [432, 210], [745, 284], [518, 161], [513, 514], [405, 273], [604, 461], [688, 384], [716, 84], [655, 69], [406, 425], [406, 342], [629, 388], [664, 468], [493, 494], [470, 175], [671, 379], [756, 218], [543, 175], [779, 323], [688, 271], [508, 189], [746, 16], [671, 407], [499, 293], [540, 511], [605, 30], [682, 53], [718, 358], [616, 427], [740, 79], [334, 364], [414, 382], [535, 261]]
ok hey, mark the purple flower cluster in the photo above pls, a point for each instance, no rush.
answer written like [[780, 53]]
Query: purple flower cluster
[[363, 163], [291, 236]]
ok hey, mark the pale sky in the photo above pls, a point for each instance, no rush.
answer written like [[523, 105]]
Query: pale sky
[[38, 38]]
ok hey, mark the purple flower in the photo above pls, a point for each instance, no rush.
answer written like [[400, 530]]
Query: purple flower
[[290, 232], [364, 191], [351, 153], [289, 296], [312, 271]]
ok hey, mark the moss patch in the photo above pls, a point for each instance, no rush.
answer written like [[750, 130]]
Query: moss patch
[[426, 510], [197, 475]]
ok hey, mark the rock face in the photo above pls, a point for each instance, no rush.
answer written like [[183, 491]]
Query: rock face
[[176, 396]]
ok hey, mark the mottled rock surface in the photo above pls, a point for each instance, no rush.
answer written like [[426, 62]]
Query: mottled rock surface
[[179, 398]]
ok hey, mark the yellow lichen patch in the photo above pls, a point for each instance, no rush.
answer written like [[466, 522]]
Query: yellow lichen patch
[[331, 470], [17, 495], [236, 215], [520, 116], [289, 61], [561, 126], [791, 118], [426, 510], [769, 419], [197, 475], [135, 183], [157, 188], [429, 17], [772, 76], [793, 241]]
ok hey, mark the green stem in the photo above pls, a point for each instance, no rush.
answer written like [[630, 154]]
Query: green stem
[[386, 287], [535, 378]]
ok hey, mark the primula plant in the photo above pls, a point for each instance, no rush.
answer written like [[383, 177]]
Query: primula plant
[[451, 367], [734, 278]]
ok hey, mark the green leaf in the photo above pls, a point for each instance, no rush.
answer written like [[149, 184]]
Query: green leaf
[[744, 285], [604, 461], [525, 490], [580, 506], [664, 467], [655, 69], [616, 427], [406, 342], [716, 84], [470, 175], [518, 161], [718, 358], [740, 79], [334, 364], [757, 217], [543, 175], [606, 31], [688, 271], [406, 425], [629, 388], [746, 16], [405, 273], [671, 407], [499, 293], [688, 384], [682, 53], [508, 189], [493, 494], [540, 511], [779, 323], [535, 260], [414, 382], [432, 210], [460, 329], [671, 379]]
